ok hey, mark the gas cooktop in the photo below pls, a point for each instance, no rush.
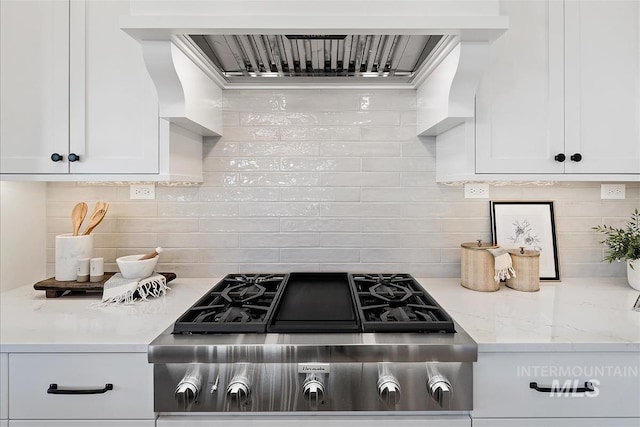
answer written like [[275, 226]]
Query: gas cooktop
[[295, 342], [315, 303]]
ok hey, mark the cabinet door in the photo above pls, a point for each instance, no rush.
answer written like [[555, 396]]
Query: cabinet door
[[31, 376], [34, 82], [114, 106], [556, 422], [603, 85], [81, 423], [4, 386], [519, 103]]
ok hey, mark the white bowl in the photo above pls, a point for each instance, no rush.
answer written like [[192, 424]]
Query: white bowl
[[131, 267]]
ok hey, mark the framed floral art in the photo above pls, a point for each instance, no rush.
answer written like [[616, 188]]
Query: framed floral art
[[528, 225]]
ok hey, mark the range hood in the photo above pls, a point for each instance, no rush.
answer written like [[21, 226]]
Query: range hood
[[438, 47], [241, 58]]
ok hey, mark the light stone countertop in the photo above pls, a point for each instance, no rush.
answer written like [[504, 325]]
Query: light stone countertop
[[573, 315]]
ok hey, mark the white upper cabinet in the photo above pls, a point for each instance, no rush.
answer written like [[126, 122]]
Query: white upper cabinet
[[34, 88], [75, 87], [114, 106], [602, 86], [560, 99], [519, 104]]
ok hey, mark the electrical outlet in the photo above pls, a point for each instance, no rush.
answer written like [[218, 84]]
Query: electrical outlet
[[142, 191], [476, 191], [612, 191]]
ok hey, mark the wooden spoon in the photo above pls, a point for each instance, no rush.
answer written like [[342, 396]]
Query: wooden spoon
[[98, 214], [77, 216]]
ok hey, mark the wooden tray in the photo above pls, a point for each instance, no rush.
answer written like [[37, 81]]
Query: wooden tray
[[54, 288]]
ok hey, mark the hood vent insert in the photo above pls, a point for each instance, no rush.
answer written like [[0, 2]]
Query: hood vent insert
[[240, 58]]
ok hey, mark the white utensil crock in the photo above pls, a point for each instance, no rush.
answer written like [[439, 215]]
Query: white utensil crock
[[633, 274], [69, 249]]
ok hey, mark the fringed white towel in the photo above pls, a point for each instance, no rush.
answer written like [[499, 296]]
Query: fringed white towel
[[118, 290], [503, 266]]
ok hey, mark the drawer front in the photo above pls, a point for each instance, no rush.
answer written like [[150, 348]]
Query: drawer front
[[81, 423], [502, 385], [4, 386], [556, 422], [30, 377]]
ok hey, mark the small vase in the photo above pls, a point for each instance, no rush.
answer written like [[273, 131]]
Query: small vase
[[633, 274]]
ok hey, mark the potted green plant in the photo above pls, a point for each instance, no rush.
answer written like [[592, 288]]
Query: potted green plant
[[624, 245]]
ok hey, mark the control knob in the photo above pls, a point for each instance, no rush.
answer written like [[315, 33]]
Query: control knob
[[440, 390], [188, 388], [238, 389], [313, 389], [389, 390]]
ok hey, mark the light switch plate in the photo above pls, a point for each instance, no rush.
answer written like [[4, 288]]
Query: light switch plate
[[476, 191], [612, 191]]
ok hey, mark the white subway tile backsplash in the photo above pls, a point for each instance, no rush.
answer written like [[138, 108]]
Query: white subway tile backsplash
[[279, 240], [360, 149], [361, 240], [154, 225], [363, 210], [280, 148], [401, 225], [360, 179], [319, 255], [401, 256], [177, 194], [238, 255], [237, 194], [360, 118], [279, 209], [251, 133], [238, 225], [197, 209], [320, 225], [221, 164], [388, 133], [320, 133], [318, 164], [319, 194], [198, 240], [293, 179], [278, 118], [334, 180], [397, 164]]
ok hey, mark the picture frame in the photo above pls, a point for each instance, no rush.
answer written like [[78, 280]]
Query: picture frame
[[530, 225]]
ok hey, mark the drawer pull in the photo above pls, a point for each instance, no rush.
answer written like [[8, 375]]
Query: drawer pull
[[588, 387], [53, 389]]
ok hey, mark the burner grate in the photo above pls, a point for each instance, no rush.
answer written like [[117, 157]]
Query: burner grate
[[396, 302], [238, 303]]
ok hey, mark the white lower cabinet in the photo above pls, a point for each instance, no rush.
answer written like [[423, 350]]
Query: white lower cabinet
[[504, 389], [56, 387], [556, 422], [81, 423], [314, 421], [4, 387]]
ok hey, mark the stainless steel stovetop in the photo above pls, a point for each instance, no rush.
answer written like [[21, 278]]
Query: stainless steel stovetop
[[415, 370]]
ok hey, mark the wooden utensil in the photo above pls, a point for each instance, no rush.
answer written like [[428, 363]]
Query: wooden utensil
[[154, 253], [97, 216], [77, 216]]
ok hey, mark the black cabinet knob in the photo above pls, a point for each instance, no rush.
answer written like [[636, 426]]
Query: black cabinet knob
[[576, 157], [56, 157], [560, 157], [73, 157]]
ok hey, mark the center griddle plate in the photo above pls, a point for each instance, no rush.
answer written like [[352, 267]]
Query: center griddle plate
[[315, 302]]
